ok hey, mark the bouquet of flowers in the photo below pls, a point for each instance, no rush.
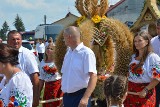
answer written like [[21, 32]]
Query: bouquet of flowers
[[50, 69]]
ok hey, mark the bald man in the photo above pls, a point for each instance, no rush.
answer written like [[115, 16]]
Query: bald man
[[79, 74]]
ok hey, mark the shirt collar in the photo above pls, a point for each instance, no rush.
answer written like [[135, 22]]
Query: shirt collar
[[20, 49], [77, 48]]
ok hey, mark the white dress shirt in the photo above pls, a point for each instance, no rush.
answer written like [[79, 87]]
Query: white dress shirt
[[76, 67], [27, 61], [40, 48], [155, 41]]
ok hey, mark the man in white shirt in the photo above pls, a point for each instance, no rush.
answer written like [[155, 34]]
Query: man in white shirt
[[155, 41], [40, 47], [27, 63], [79, 74]]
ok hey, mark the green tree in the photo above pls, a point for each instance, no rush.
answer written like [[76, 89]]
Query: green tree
[[3, 31], [158, 2], [18, 23]]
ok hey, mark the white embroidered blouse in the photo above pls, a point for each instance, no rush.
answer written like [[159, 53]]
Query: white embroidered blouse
[[17, 92], [47, 77], [149, 70]]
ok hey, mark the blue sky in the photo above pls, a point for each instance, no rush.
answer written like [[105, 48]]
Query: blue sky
[[32, 11]]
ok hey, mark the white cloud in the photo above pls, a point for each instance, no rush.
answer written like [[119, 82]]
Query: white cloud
[[34, 4]]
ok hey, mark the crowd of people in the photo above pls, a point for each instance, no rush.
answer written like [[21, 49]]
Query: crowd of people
[[22, 79]]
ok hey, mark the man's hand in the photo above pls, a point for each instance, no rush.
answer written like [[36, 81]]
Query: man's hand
[[83, 102]]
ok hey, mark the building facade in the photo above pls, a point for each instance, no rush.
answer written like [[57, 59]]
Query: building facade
[[127, 11]]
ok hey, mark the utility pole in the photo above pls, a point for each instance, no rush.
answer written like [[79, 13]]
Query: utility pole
[[45, 17]]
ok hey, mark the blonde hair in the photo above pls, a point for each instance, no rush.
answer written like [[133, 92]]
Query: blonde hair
[[45, 54]]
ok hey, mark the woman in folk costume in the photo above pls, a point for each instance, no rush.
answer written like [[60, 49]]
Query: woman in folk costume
[[50, 76], [16, 89], [144, 73]]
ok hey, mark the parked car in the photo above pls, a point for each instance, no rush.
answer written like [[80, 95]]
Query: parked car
[[27, 44]]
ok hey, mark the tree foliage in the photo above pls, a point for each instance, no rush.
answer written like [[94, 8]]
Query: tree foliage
[[158, 2], [18, 23], [4, 30]]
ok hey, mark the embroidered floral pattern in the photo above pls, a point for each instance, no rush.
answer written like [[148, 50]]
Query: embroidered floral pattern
[[50, 69], [156, 72], [1, 103], [138, 71], [17, 99], [148, 101]]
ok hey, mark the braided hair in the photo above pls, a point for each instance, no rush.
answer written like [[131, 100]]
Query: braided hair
[[115, 87]]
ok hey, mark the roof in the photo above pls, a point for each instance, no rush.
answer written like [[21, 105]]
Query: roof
[[68, 14], [149, 14], [114, 6]]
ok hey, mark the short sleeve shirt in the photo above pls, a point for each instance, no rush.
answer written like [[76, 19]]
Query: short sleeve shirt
[[27, 61], [155, 41], [150, 69], [17, 92], [76, 67], [40, 48], [47, 77]]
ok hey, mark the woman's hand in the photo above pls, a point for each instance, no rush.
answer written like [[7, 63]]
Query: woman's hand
[[143, 93]]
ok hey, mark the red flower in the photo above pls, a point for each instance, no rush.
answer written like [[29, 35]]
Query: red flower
[[154, 71], [11, 104], [135, 71], [46, 67], [53, 70], [139, 71], [50, 70], [155, 74], [1, 103], [102, 78], [12, 98]]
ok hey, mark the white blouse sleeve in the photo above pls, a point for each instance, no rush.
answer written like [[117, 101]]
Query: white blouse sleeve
[[21, 93], [154, 66]]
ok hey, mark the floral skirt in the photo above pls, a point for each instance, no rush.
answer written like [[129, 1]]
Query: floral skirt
[[135, 100], [52, 90]]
